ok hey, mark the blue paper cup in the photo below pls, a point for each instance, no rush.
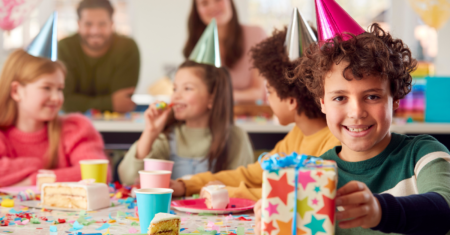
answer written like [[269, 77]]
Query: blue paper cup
[[150, 202]]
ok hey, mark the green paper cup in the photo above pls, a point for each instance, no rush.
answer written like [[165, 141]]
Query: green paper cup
[[94, 169]]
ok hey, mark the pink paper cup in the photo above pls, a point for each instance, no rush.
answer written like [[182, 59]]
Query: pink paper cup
[[157, 165], [155, 179]]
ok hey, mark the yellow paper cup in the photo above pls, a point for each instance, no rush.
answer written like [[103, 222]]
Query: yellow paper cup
[[94, 169]]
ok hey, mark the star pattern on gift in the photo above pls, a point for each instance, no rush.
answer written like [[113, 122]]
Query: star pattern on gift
[[277, 171], [280, 188], [268, 227], [303, 207], [315, 201], [304, 178], [328, 208], [286, 228], [317, 189], [316, 225], [331, 185], [272, 209], [319, 173]]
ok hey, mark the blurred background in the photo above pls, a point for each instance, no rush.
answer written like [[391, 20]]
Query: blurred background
[[160, 29]]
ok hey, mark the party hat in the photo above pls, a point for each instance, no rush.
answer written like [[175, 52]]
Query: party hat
[[45, 44], [299, 36], [332, 20], [207, 49]]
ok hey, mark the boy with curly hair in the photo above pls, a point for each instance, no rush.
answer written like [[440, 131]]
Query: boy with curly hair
[[388, 182], [291, 103]]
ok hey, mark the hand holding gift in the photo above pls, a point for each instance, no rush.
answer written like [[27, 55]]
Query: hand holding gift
[[360, 206]]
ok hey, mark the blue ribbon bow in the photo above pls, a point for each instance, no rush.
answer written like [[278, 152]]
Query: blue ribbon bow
[[294, 160]]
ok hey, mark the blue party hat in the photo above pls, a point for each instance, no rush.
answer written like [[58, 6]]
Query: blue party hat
[[45, 44]]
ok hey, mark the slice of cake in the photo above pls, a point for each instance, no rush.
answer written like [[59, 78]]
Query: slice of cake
[[216, 196], [164, 224], [81, 196], [44, 176]]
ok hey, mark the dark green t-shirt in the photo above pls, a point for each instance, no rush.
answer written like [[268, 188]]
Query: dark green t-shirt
[[407, 166], [90, 82]]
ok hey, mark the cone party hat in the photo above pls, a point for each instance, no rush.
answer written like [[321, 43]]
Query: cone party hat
[[45, 44], [332, 20], [207, 49], [299, 36]]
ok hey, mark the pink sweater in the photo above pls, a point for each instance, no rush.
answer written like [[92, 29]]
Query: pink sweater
[[241, 73], [22, 154]]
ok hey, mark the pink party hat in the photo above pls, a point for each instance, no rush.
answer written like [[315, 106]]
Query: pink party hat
[[332, 20]]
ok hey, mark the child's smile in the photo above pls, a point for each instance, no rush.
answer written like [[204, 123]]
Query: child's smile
[[359, 112]]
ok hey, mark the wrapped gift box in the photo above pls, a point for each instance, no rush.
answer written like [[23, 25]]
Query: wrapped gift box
[[316, 192]]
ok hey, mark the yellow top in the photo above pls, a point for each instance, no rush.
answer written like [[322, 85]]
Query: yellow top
[[246, 182]]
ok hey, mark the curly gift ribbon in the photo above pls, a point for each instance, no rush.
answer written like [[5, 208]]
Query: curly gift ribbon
[[294, 160]]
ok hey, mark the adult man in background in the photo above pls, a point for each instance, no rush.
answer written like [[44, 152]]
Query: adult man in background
[[103, 67]]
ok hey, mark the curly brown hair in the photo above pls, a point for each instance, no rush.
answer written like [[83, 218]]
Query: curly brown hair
[[269, 57], [373, 53]]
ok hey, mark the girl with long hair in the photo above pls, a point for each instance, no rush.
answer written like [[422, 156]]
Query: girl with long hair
[[235, 41], [32, 134], [197, 133]]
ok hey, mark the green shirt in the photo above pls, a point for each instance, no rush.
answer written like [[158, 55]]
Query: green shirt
[[90, 82], [408, 165], [192, 143]]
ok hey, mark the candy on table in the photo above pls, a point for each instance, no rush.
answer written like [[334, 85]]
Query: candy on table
[[26, 195], [7, 203]]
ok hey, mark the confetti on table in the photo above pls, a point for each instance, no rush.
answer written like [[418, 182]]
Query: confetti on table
[[132, 230], [107, 232], [240, 231], [111, 221], [219, 223], [76, 226], [134, 223], [12, 211], [132, 218], [53, 229], [35, 221], [104, 226]]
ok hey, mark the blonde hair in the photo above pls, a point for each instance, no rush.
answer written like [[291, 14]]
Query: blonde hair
[[25, 68]]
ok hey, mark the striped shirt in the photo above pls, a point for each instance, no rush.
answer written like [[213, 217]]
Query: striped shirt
[[416, 172]]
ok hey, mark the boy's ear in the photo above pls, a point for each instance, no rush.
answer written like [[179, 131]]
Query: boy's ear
[[15, 91], [396, 104], [292, 104], [322, 105], [210, 102]]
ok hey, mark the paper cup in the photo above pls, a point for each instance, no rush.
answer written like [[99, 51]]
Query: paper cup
[[155, 179], [151, 202], [157, 165], [94, 169]]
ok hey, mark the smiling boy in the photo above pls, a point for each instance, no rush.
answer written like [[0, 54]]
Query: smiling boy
[[388, 182]]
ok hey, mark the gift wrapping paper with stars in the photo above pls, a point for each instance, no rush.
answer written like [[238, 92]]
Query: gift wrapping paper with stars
[[316, 194]]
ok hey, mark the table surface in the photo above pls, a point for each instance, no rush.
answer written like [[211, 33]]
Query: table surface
[[190, 223], [272, 127]]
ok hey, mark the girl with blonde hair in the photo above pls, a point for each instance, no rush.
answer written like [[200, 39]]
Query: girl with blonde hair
[[32, 134]]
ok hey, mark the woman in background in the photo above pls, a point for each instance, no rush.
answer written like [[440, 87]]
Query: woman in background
[[235, 41]]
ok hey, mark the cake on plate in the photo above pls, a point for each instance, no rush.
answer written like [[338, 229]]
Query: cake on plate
[[44, 176], [83, 196], [216, 196], [164, 224]]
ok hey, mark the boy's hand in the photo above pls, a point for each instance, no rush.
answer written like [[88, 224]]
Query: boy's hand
[[179, 189], [361, 207], [257, 210]]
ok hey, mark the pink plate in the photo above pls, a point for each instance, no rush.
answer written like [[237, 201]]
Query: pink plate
[[14, 190], [198, 206]]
